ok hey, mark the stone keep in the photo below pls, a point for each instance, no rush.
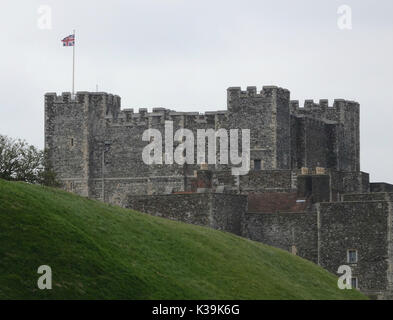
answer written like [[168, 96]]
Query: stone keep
[[96, 148]]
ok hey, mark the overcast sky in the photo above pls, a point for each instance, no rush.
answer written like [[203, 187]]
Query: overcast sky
[[183, 54]]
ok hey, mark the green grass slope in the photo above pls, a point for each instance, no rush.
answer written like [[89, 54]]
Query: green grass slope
[[97, 251]]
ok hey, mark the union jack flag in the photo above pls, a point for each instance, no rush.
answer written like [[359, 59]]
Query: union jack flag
[[69, 41]]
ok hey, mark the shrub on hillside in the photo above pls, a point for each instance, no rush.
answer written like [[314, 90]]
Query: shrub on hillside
[[20, 161]]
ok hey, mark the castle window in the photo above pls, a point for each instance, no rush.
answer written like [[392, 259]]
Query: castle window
[[72, 142], [352, 256], [257, 164], [354, 283]]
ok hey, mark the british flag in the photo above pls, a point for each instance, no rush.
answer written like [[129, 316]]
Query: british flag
[[69, 41]]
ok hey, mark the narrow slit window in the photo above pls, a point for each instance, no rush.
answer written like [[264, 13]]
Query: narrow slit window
[[257, 165], [354, 283], [352, 256]]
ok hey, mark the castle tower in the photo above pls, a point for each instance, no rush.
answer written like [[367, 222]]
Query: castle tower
[[72, 128], [326, 136], [267, 115]]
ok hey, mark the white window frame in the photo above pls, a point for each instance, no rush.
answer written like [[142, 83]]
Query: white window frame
[[356, 256]]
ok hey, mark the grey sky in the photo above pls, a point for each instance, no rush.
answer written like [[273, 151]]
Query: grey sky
[[183, 54]]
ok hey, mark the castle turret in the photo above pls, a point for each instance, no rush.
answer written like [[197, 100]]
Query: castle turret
[[325, 136], [267, 115], [71, 128]]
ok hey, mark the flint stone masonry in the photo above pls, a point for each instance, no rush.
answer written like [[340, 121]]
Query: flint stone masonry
[[364, 226], [377, 196], [363, 222], [219, 211], [285, 231]]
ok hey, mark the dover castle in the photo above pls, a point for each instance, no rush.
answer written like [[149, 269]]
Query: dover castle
[[304, 192]]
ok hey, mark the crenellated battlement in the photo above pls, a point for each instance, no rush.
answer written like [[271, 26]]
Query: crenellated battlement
[[322, 109], [160, 115], [81, 96], [309, 104], [251, 92], [114, 115]]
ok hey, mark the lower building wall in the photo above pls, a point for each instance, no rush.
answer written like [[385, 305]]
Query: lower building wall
[[294, 232], [348, 182], [78, 186], [361, 226], [228, 212], [116, 190], [280, 180], [375, 196], [325, 237], [219, 211], [256, 181]]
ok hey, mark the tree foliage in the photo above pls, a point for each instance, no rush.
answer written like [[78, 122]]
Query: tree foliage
[[20, 161]]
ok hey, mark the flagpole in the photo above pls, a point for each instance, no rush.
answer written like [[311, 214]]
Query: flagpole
[[73, 67]]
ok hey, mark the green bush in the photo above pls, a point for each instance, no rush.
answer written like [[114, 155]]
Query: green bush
[[20, 161]]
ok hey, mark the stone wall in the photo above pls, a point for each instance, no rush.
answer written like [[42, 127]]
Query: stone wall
[[310, 142], [363, 222], [348, 182], [219, 211], [373, 196], [267, 180], [315, 187], [294, 232], [362, 226], [338, 136]]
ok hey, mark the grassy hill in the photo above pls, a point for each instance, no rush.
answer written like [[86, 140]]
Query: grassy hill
[[97, 251]]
